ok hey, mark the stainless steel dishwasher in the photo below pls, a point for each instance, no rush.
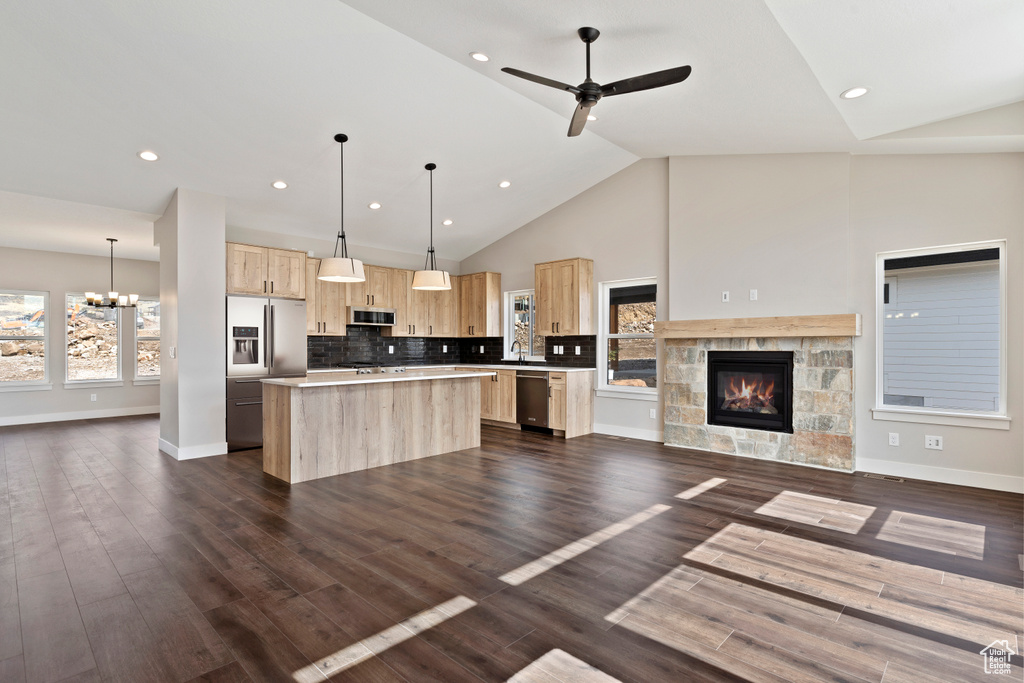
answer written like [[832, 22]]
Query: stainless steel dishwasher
[[532, 398]]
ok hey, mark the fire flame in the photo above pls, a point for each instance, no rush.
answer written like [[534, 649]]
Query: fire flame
[[757, 390]]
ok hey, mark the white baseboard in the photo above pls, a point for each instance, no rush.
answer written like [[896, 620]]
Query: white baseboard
[[943, 475], [629, 432], [77, 415], [189, 452]]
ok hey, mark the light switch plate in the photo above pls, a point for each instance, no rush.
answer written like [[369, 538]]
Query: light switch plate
[[933, 443], [725, 297], [391, 349], [577, 350], [753, 295], [444, 348], [174, 352], [654, 413], [481, 349]]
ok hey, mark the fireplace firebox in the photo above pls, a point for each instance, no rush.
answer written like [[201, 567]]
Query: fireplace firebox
[[751, 390]]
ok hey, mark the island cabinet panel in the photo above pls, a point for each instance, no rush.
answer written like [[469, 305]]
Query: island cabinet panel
[[323, 431], [374, 291], [261, 270], [564, 297], [480, 305], [325, 304]]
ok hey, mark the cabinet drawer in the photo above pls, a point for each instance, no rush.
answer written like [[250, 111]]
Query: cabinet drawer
[[556, 378]]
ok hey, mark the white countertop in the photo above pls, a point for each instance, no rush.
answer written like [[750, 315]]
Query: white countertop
[[335, 378], [469, 366]]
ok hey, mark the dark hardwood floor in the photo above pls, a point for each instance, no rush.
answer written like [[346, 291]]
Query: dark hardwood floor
[[529, 558]]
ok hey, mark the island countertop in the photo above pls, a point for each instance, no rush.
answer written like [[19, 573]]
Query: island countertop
[[338, 378], [465, 366]]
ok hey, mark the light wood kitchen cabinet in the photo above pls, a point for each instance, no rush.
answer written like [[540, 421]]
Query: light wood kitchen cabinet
[[564, 297], [498, 397], [443, 312], [480, 305], [556, 400], [374, 291], [571, 402], [325, 304], [263, 270], [410, 306]]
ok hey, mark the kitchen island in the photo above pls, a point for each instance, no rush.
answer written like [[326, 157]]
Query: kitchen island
[[325, 424]]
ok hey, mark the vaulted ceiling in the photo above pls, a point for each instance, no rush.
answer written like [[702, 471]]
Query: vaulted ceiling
[[234, 95]]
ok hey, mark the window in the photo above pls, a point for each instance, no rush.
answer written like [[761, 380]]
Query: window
[[520, 310], [942, 330], [628, 348], [93, 351], [147, 339], [22, 337]]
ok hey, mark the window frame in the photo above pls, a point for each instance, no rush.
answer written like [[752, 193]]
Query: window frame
[[90, 383], [146, 379], [32, 384], [603, 387], [997, 419], [510, 325]]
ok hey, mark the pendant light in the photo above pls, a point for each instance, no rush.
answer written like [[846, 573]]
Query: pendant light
[[341, 268], [430, 278], [113, 300]]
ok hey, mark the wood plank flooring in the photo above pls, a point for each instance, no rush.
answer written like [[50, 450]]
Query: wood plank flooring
[[530, 558]]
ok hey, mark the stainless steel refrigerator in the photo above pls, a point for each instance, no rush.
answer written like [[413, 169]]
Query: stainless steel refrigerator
[[265, 338]]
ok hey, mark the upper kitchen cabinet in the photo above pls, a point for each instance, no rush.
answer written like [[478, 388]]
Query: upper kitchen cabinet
[[564, 291], [375, 291], [480, 305], [262, 270], [443, 312], [410, 306], [325, 304]]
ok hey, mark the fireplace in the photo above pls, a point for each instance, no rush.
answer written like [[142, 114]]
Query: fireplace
[[751, 390]]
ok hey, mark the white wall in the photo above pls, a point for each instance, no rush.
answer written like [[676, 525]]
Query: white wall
[[58, 274], [620, 223]]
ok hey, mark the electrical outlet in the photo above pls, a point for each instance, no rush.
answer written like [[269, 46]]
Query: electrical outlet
[[933, 442], [725, 297], [481, 349], [391, 349], [753, 295], [444, 348], [894, 439], [577, 350], [92, 397], [654, 413], [174, 351]]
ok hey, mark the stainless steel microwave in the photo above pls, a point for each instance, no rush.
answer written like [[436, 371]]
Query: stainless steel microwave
[[371, 315]]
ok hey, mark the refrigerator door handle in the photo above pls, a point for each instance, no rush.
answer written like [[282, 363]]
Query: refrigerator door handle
[[266, 335], [271, 332]]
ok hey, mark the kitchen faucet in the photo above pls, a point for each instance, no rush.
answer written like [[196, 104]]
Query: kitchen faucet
[[522, 361]]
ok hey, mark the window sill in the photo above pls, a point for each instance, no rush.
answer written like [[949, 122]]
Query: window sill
[[94, 384], [143, 381], [25, 386], [606, 392], [940, 418]]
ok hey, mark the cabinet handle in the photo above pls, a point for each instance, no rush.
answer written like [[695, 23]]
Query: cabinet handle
[[271, 286], [549, 392], [552, 328], [414, 329], [558, 327], [318, 327], [373, 299], [430, 329], [264, 286]]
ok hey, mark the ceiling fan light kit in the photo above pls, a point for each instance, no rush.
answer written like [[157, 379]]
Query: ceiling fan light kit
[[430, 278], [341, 268], [113, 299], [588, 93]]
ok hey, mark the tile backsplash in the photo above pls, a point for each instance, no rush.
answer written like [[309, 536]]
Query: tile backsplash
[[365, 345]]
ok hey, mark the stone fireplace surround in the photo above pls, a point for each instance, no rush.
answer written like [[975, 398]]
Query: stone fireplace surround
[[823, 417]]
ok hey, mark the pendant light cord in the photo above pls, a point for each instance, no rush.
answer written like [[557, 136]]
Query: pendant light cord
[[341, 235], [431, 262], [111, 240]]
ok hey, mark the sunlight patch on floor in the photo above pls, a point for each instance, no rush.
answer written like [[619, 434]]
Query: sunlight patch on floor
[[934, 533], [695, 491], [567, 552], [557, 666], [389, 637], [827, 513]]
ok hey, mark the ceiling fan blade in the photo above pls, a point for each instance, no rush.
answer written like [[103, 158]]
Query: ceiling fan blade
[[646, 82], [579, 119], [540, 79]]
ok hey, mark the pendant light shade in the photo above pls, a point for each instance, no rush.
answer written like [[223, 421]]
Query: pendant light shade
[[113, 299], [430, 278], [341, 268]]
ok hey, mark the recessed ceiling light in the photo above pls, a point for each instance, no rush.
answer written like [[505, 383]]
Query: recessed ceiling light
[[146, 155], [854, 93], [479, 56], [591, 117], [447, 221], [374, 205], [503, 184], [279, 184]]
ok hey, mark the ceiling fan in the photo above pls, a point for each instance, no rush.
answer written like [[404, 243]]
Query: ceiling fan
[[588, 92]]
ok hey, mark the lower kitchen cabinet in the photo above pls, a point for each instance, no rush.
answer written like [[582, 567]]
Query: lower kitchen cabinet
[[498, 397], [556, 400], [571, 402]]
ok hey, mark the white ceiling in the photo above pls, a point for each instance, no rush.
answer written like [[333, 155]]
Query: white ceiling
[[236, 94]]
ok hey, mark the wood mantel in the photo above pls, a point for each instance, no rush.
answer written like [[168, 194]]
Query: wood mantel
[[841, 325]]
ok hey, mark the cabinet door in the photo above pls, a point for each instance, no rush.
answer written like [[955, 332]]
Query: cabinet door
[[544, 303], [420, 301], [442, 318], [378, 286], [331, 302], [401, 299], [313, 324], [490, 306], [468, 287], [247, 269], [506, 396], [556, 400], [487, 387], [286, 273], [567, 297]]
